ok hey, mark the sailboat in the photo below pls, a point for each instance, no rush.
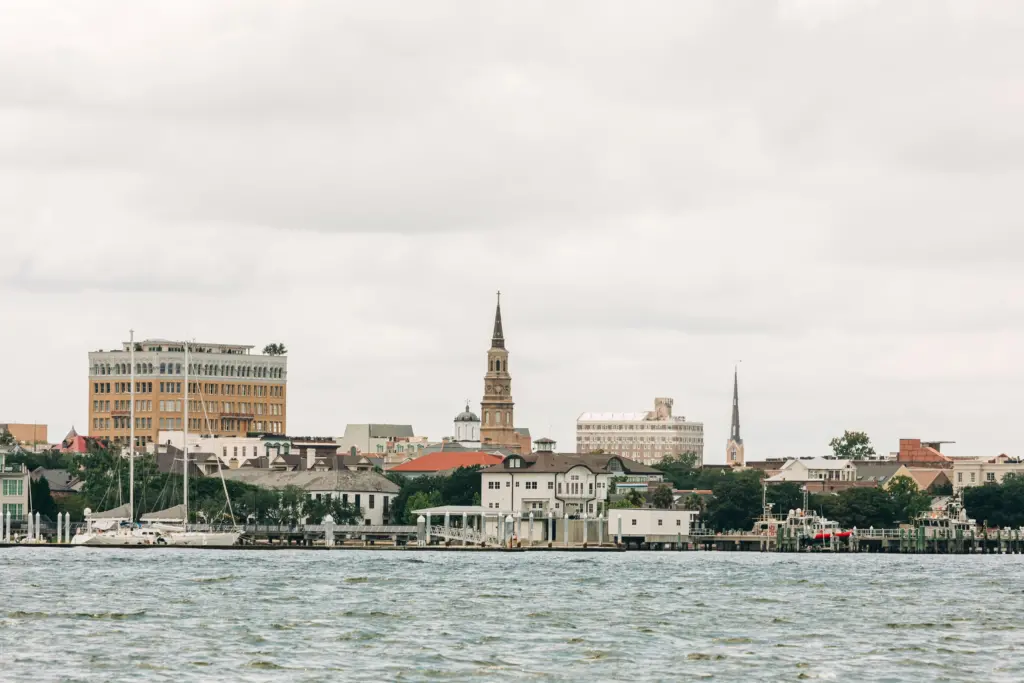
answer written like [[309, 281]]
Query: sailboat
[[173, 522], [165, 527]]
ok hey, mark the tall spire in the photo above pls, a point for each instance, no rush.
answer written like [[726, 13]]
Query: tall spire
[[735, 435], [498, 338]]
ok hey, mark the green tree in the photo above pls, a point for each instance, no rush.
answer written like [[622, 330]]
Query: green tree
[[859, 507], [694, 502], [662, 497], [852, 446], [908, 500], [633, 499], [785, 496], [421, 500], [736, 502], [941, 489], [1000, 505], [42, 501], [72, 504], [6, 439], [275, 350]]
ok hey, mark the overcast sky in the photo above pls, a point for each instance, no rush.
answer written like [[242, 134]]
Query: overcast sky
[[829, 191]]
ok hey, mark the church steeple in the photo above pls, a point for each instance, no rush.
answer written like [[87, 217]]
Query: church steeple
[[497, 407], [736, 407], [498, 337], [734, 455]]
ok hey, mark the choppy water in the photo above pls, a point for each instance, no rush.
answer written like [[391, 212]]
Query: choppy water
[[178, 615]]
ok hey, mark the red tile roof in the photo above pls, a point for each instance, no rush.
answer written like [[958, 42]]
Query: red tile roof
[[447, 460], [78, 444]]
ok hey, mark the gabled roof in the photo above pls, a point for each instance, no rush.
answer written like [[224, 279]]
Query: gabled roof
[[819, 464], [386, 431], [877, 471], [310, 480], [59, 481], [563, 462], [440, 461]]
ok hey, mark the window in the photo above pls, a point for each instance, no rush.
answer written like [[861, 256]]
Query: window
[[591, 487], [659, 523], [344, 499], [590, 508], [634, 522], [559, 487], [517, 484], [357, 501], [385, 499], [371, 502], [972, 477], [991, 476], [551, 485], [959, 477], [508, 484], [679, 522]]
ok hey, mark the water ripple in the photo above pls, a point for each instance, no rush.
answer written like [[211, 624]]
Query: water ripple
[[369, 616]]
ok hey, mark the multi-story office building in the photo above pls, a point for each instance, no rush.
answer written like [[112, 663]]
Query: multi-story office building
[[232, 391], [646, 437]]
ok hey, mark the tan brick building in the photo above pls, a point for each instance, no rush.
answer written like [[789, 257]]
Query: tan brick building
[[26, 434], [232, 391]]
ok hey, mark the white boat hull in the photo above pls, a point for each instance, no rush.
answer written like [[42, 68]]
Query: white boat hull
[[201, 538]]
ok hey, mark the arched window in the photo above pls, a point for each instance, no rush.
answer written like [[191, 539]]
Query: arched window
[[162, 368], [508, 418], [487, 417]]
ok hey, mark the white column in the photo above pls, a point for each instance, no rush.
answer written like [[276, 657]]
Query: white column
[[620, 529], [565, 527], [551, 525], [67, 527], [447, 525], [60, 536], [428, 528], [584, 527], [531, 528]]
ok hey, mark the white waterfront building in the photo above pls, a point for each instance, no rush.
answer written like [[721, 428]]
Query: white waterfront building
[[816, 469], [646, 437], [562, 483]]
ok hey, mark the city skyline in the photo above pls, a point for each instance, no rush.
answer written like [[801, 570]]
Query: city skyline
[[657, 190]]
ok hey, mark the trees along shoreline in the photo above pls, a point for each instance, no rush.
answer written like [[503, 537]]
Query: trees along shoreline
[[736, 497]]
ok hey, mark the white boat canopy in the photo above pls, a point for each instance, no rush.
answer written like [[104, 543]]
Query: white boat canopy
[[170, 515], [120, 512]]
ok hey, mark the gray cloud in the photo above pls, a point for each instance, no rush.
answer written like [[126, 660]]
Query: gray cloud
[[826, 190]]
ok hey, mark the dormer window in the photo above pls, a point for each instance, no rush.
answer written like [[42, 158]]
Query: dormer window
[[514, 462]]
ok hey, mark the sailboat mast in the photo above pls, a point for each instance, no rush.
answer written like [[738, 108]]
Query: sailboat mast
[[131, 432], [184, 460]]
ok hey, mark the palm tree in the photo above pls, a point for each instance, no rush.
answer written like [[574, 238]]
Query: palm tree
[[275, 349]]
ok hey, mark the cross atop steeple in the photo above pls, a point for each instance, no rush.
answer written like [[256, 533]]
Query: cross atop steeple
[[498, 338]]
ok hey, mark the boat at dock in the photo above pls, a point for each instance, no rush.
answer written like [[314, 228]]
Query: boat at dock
[[169, 527]]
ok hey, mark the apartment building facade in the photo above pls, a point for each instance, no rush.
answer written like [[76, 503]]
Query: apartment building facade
[[232, 391], [646, 437], [14, 489], [969, 472]]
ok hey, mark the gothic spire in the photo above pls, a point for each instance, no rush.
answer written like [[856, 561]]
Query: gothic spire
[[498, 338], [735, 436]]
